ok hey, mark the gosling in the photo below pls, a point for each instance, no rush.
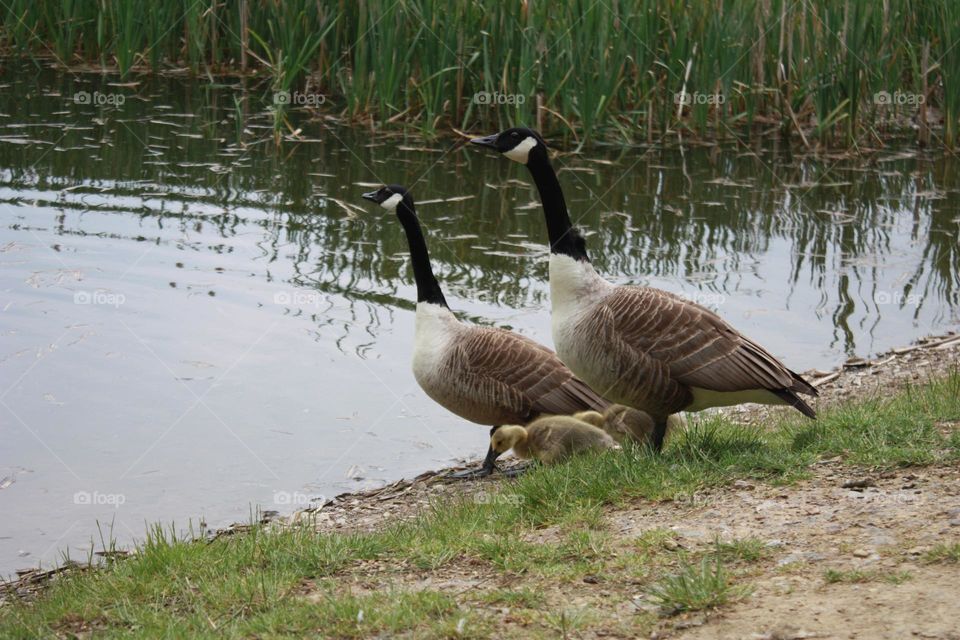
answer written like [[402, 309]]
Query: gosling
[[550, 439], [623, 423]]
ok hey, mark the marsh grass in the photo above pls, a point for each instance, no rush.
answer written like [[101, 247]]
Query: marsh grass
[[585, 70], [252, 584], [743, 549]]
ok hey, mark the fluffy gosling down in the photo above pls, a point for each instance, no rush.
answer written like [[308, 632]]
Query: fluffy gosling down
[[550, 439], [625, 424]]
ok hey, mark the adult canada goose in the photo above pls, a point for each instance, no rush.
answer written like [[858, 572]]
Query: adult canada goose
[[483, 374], [623, 423], [550, 439], [642, 347]]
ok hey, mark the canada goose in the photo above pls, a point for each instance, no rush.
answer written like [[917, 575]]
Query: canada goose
[[483, 374], [550, 439], [642, 347], [623, 423]]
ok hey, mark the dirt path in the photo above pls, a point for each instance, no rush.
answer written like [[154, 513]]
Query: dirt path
[[876, 540]]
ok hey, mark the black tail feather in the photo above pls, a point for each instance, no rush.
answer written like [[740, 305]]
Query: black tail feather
[[802, 386], [792, 399]]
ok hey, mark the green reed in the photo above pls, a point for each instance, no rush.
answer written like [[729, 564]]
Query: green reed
[[586, 70]]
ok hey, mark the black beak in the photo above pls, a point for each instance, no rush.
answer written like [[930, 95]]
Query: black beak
[[371, 196], [487, 141]]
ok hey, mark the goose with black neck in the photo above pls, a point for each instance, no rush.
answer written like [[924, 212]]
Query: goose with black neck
[[486, 375], [639, 346]]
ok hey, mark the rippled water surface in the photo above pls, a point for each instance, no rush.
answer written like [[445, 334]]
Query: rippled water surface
[[195, 322]]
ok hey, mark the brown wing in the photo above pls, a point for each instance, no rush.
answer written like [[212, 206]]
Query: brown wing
[[697, 346], [503, 368]]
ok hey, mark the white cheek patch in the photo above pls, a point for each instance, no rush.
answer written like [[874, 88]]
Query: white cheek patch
[[391, 203], [521, 152]]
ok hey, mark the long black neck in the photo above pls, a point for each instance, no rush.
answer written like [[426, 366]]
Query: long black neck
[[564, 238], [428, 289]]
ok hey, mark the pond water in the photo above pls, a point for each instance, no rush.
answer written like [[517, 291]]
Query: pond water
[[195, 323]]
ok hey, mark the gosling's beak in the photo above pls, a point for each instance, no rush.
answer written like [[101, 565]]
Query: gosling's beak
[[371, 196], [487, 141]]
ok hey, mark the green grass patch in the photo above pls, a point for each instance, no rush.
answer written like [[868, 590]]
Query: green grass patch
[[859, 576], [885, 431], [743, 549], [695, 587], [945, 552], [568, 620], [954, 443], [252, 584]]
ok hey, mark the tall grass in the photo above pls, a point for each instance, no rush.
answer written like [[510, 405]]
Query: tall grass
[[585, 69]]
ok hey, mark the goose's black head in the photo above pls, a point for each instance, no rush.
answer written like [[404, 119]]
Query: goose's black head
[[389, 196], [519, 144]]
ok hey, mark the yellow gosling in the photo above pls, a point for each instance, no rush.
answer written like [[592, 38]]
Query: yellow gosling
[[550, 439], [623, 423]]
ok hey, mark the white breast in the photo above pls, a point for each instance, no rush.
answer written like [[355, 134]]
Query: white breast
[[435, 330], [574, 288]]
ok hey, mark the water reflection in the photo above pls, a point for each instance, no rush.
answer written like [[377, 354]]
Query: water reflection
[[857, 241], [231, 251]]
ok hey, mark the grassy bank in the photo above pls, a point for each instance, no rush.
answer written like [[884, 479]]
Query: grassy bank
[[545, 530], [827, 71]]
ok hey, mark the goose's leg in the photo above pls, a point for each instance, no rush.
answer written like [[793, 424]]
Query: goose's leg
[[489, 465], [659, 432]]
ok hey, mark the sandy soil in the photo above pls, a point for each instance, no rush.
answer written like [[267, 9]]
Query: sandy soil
[[882, 531]]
